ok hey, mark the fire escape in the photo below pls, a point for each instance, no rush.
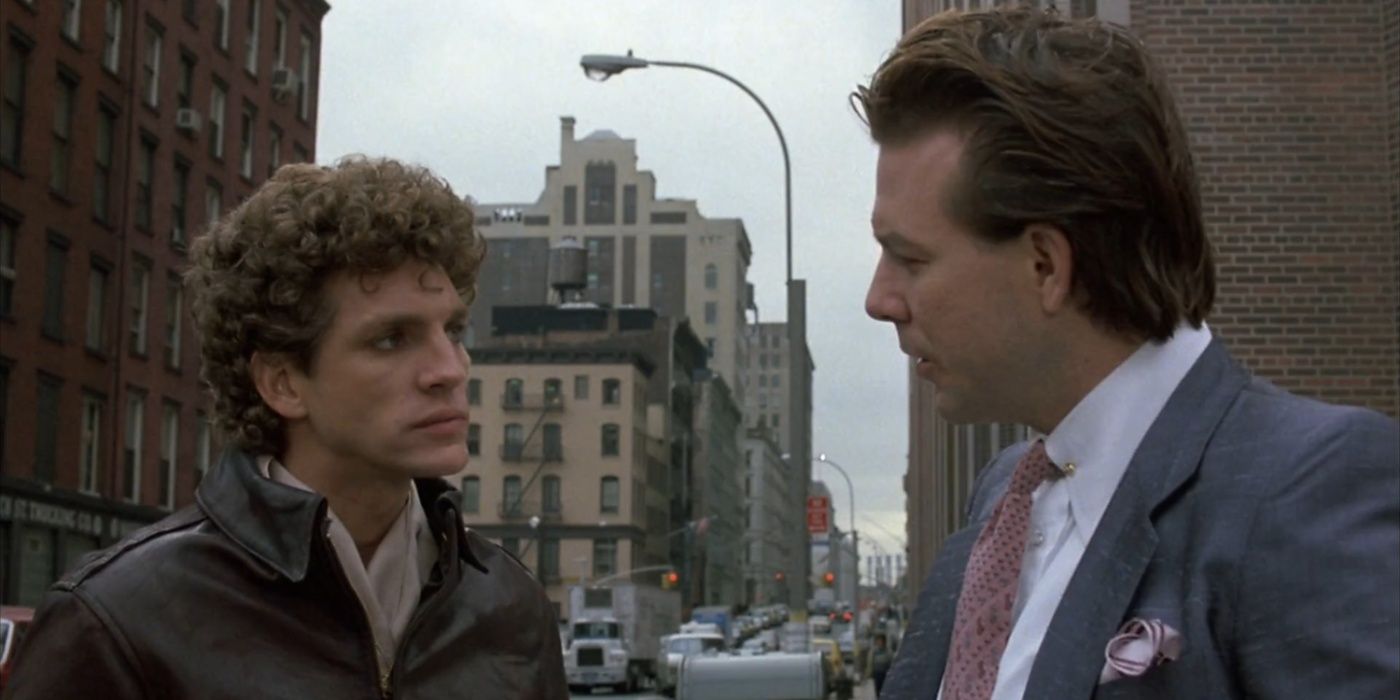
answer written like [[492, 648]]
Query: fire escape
[[540, 445]]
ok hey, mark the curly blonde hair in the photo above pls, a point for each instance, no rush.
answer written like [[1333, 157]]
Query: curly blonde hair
[[257, 277]]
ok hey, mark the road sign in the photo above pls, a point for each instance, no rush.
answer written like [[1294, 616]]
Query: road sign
[[818, 514]]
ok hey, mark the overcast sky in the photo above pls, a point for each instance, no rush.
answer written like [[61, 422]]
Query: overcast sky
[[474, 90]]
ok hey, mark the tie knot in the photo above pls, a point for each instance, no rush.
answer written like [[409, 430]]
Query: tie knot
[[1035, 467]]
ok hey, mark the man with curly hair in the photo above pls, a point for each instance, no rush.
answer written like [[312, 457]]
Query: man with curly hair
[[1178, 528], [324, 556]]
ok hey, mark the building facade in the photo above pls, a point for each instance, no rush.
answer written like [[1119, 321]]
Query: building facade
[[1293, 110], [769, 560], [718, 508], [127, 127]]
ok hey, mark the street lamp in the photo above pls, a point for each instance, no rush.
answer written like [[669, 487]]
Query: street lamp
[[600, 67], [855, 546]]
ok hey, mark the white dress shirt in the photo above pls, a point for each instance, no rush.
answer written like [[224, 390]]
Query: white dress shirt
[[1098, 437], [389, 587]]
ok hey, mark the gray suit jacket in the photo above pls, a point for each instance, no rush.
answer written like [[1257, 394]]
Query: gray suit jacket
[[1263, 526]]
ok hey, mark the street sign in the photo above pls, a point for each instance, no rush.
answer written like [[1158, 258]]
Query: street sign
[[818, 514]]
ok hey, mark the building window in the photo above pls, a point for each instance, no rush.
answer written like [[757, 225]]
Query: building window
[[474, 392], [629, 204], [8, 273], [274, 150], [471, 494], [72, 16], [515, 393], [612, 392], [580, 386], [174, 312], [304, 80], [250, 56], [184, 81], [300, 154], [62, 133], [514, 439], [570, 205], [213, 203], [88, 465], [218, 98], [777, 381], [474, 439], [553, 442], [169, 450], [553, 497], [609, 495], [102, 174], [711, 276], [112, 36], [46, 431], [600, 193], [549, 560], [612, 439], [150, 67], [140, 300], [203, 447], [245, 143], [221, 24], [711, 312], [145, 169], [55, 269], [179, 204], [709, 347], [604, 557], [510, 495], [16, 74], [131, 463], [279, 38], [96, 336]]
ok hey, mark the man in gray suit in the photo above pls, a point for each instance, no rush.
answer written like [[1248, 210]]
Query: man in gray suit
[[1181, 530]]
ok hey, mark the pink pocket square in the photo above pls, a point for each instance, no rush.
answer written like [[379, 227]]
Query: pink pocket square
[[1139, 645]]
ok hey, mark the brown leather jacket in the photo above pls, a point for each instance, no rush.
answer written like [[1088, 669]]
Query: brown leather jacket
[[241, 596]]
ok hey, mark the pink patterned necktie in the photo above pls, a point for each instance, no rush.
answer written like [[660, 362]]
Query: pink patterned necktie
[[993, 575]]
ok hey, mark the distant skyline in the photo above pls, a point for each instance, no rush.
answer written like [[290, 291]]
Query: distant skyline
[[475, 91]]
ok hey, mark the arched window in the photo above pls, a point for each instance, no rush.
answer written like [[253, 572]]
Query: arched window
[[610, 495], [515, 392], [514, 442], [471, 494], [612, 440], [553, 494], [711, 276], [510, 496]]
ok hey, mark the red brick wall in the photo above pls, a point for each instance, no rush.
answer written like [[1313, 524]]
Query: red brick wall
[[1293, 114]]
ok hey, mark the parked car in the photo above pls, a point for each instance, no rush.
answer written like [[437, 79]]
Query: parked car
[[14, 623]]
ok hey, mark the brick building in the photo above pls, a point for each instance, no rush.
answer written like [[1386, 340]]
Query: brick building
[[1293, 109], [127, 126]]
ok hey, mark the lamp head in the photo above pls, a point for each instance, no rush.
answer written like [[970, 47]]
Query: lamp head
[[601, 66]]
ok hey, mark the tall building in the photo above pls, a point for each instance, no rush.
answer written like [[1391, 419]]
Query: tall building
[[717, 473], [1293, 110], [642, 251], [126, 128], [770, 563]]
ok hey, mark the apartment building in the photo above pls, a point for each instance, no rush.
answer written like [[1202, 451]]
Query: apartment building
[[127, 126]]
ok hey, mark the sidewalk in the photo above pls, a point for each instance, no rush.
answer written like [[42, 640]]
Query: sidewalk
[[865, 691]]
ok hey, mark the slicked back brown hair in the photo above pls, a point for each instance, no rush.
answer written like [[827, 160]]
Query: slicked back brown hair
[[258, 276], [1067, 123]]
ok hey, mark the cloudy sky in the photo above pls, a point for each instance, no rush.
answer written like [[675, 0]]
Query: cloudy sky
[[474, 90]]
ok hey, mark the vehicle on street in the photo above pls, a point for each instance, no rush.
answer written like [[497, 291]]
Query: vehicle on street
[[14, 623], [688, 642], [766, 677], [615, 635], [720, 615]]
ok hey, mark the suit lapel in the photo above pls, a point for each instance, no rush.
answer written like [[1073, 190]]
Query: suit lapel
[[1098, 595]]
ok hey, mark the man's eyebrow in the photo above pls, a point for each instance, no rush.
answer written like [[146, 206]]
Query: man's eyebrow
[[890, 239]]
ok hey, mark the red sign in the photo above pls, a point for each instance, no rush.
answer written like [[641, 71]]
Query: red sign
[[818, 513]]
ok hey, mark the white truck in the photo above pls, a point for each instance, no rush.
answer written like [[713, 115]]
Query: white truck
[[616, 634]]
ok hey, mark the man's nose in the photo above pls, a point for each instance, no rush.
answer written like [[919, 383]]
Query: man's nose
[[448, 363], [884, 301]]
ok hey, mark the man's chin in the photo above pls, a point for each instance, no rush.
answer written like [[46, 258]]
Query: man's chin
[[436, 466]]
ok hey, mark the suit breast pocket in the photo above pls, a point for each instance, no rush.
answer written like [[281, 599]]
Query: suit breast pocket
[[1187, 677]]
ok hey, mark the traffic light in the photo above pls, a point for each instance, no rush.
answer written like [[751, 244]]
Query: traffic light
[[670, 580], [829, 578]]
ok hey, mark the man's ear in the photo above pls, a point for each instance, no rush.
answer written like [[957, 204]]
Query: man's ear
[[1053, 258], [272, 375]]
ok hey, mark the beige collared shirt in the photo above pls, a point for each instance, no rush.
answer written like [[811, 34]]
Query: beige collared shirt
[[389, 587]]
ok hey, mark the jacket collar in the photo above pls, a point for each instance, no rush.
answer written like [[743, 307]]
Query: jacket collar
[[277, 524]]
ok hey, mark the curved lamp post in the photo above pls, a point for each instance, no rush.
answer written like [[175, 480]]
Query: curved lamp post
[[855, 546], [600, 67]]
